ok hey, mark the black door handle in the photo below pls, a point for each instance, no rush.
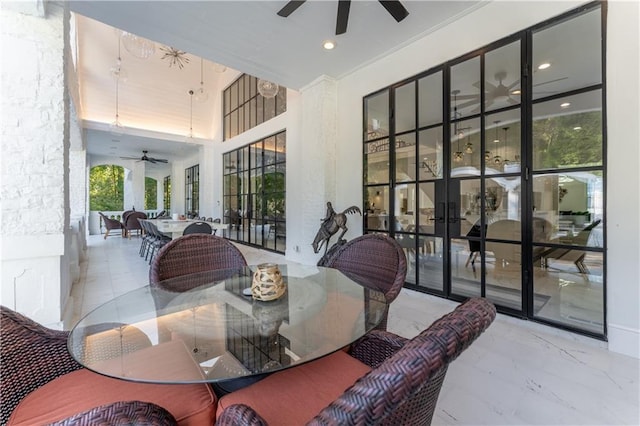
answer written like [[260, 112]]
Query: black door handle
[[441, 217], [453, 217]]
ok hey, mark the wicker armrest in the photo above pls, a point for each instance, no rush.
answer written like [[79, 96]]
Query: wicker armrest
[[121, 413], [240, 414], [376, 346], [30, 356]]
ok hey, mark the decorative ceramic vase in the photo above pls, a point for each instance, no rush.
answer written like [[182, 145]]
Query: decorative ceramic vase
[[267, 282]]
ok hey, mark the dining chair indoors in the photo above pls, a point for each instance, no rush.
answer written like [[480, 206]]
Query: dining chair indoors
[[41, 383], [375, 261], [389, 380], [198, 228], [131, 223], [194, 253]]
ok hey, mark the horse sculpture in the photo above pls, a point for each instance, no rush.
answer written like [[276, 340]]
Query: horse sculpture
[[330, 225]]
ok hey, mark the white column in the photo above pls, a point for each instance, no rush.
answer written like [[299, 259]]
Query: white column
[[312, 152], [34, 157]]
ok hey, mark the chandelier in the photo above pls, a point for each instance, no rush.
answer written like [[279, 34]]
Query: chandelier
[[267, 89], [138, 46], [175, 56]]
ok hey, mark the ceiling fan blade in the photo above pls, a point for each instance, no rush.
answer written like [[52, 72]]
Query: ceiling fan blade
[[550, 81], [343, 16], [395, 8], [130, 158], [514, 84], [290, 7], [158, 160], [512, 101]]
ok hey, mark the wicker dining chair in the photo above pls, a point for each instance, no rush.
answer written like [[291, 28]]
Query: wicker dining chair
[[194, 253], [375, 261], [402, 387], [35, 359], [197, 228], [111, 225]]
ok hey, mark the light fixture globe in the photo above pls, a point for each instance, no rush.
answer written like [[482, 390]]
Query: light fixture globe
[[267, 89], [138, 46]]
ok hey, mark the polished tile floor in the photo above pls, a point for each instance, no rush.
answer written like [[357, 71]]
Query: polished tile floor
[[516, 373]]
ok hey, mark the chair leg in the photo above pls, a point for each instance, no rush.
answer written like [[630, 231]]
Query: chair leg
[[106, 234]]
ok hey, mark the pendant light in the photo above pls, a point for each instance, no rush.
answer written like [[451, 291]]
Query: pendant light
[[458, 155], [505, 161], [116, 128], [497, 159], [189, 137], [201, 94]]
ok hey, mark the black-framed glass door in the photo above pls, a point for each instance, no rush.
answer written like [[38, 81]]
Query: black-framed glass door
[[470, 165]]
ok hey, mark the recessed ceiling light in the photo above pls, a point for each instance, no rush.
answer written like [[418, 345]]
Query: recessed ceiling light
[[577, 128], [544, 66], [565, 105], [516, 92], [328, 44]]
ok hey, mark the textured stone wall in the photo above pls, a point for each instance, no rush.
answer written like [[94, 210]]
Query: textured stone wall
[[33, 120]]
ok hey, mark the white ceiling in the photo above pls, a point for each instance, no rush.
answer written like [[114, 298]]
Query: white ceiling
[[247, 36]]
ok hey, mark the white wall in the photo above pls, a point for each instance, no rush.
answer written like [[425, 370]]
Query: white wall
[[480, 28]]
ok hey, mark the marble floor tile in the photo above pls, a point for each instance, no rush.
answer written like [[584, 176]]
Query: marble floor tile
[[517, 373]]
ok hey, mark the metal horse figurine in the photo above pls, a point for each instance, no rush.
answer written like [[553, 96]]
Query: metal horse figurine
[[330, 225]]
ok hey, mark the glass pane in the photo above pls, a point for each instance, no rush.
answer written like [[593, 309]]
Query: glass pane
[[504, 274], [270, 150], [465, 275], [377, 203], [430, 100], [281, 100], [502, 142], [567, 132], [376, 163], [502, 77], [465, 148], [430, 154], [269, 108], [247, 87], [409, 245], [240, 120], [503, 203], [281, 139], [377, 116], [465, 88], [233, 124], [227, 127], [569, 289], [430, 263], [405, 108], [252, 113], [227, 101], [427, 207], [568, 55], [240, 91], [406, 157], [259, 110], [405, 212], [234, 96], [247, 117], [572, 206], [253, 86], [256, 155], [470, 207]]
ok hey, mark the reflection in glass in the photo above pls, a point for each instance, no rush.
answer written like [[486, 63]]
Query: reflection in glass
[[430, 263], [405, 195], [503, 199], [430, 154], [568, 55], [430, 100], [573, 204], [502, 77], [465, 148], [405, 108], [567, 132], [377, 206], [376, 163], [571, 284], [504, 274], [377, 116], [465, 277], [502, 142], [406, 157], [465, 88], [427, 207]]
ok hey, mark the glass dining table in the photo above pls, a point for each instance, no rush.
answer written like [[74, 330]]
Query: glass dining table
[[206, 327]]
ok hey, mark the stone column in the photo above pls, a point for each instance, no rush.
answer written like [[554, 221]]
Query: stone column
[[34, 159]]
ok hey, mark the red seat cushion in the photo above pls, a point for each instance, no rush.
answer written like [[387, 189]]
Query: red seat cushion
[[294, 396], [81, 390]]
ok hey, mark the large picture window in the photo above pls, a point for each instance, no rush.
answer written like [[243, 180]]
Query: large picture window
[[255, 193], [489, 171], [192, 191], [245, 108]]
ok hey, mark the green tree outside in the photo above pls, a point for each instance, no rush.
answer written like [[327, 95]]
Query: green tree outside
[[150, 193], [106, 188]]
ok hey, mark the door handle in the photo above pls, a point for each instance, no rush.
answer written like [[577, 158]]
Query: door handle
[[453, 217], [441, 216]]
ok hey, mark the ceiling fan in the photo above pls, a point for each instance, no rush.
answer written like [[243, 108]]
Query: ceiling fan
[[145, 158], [394, 7]]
